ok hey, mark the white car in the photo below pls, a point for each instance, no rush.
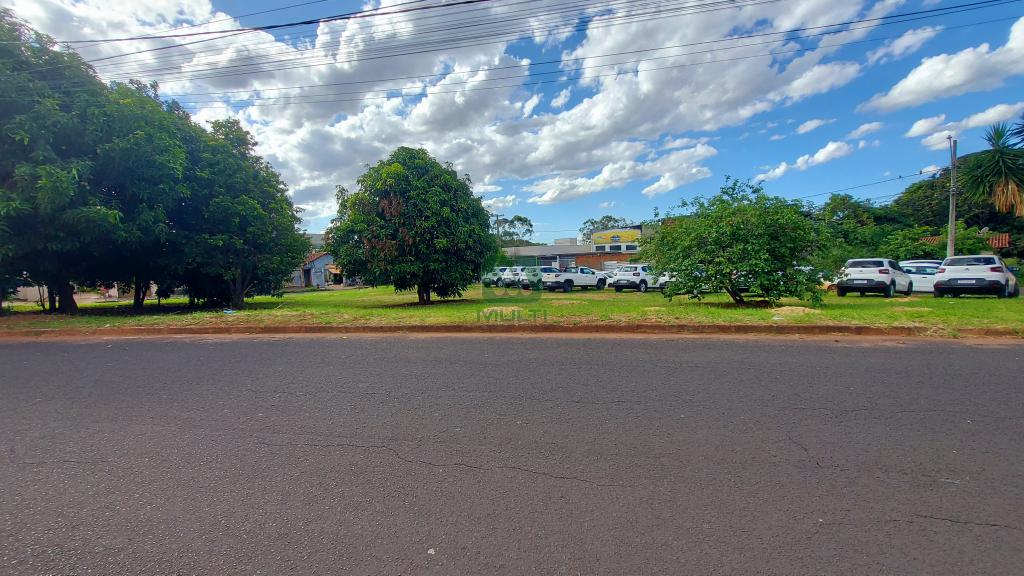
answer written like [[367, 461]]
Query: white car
[[637, 277], [510, 277], [663, 281], [493, 278], [873, 275], [975, 275], [573, 277], [922, 273]]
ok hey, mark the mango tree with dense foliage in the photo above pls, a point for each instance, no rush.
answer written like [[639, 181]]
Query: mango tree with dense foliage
[[739, 241], [414, 224], [102, 184]]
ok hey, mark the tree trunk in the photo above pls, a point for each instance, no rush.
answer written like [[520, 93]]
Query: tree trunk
[[423, 292], [238, 288], [735, 295], [66, 299], [139, 297], [51, 298]]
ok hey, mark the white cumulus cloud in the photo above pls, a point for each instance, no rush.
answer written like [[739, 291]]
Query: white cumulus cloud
[[829, 152], [671, 171], [812, 125], [911, 41], [936, 130], [865, 129], [501, 202], [970, 70]]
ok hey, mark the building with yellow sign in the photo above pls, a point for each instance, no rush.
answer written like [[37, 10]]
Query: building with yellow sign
[[617, 240]]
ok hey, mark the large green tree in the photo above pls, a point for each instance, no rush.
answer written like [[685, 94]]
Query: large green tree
[[54, 226], [741, 238], [514, 231], [242, 235], [925, 204], [414, 224], [139, 173], [101, 184]]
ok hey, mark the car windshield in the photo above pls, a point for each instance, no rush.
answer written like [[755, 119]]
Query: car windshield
[[971, 261], [925, 269], [548, 269], [628, 269], [572, 269], [865, 264]]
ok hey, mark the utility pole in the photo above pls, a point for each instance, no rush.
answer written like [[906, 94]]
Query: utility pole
[[951, 231]]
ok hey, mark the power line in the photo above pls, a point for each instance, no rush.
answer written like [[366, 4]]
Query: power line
[[288, 100], [893, 179], [229, 18], [263, 68], [334, 18], [413, 28], [403, 89], [635, 61], [226, 35], [447, 43]]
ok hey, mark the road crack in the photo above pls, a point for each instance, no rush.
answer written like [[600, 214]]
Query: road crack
[[42, 462], [806, 451], [967, 522], [399, 456]]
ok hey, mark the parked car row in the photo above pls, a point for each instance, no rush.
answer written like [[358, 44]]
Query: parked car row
[[980, 274], [639, 277]]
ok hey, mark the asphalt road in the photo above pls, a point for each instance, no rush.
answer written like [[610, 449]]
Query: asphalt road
[[500, 455]]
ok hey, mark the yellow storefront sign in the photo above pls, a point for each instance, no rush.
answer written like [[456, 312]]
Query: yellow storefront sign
[[625, 236]]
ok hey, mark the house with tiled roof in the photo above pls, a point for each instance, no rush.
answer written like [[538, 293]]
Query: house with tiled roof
[[317, 271]]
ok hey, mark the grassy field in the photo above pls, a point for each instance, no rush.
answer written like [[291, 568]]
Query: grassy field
[[381, 306]]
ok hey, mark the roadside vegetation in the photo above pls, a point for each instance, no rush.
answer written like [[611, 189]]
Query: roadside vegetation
[[384, 307], [111, 184], [104, 184]]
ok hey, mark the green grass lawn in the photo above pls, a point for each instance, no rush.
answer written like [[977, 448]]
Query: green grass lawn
[[381, 306]]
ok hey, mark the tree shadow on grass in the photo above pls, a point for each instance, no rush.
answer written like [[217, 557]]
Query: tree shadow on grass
[[124, 309], [432, 303], [749, 305]]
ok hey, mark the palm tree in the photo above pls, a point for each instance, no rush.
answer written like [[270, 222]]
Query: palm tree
[[1017, 133], [997, 173]]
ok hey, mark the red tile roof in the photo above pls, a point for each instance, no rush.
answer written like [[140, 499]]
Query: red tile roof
[[313, 256], [996, 241], [999, 241]]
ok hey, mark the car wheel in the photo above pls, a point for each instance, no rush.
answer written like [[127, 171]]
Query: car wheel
[[643, 286], [840, 292], [600, 284], [910, 289], [1003, 292], [618, 288], [567, 287], [937, 293], [890, 290], [1016, 291]]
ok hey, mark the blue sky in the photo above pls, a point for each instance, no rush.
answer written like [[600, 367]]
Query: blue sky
[[619, 144]]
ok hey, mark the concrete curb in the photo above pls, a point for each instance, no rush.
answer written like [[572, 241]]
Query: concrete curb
[[520, 329]]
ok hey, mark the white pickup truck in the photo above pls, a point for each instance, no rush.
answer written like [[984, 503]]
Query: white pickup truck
[[572, 277]]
